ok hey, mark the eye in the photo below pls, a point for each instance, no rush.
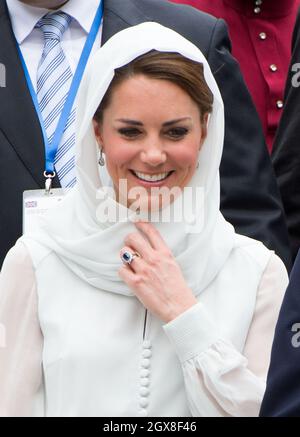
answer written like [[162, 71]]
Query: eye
[[177, 132], [129, 132]]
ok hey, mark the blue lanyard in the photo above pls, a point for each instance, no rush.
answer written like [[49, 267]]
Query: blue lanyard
[[51, 149]]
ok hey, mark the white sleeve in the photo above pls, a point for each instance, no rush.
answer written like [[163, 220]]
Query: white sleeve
[[219, 380], [21, 340]]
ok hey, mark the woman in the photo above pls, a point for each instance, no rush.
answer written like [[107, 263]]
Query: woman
[[107, 317]]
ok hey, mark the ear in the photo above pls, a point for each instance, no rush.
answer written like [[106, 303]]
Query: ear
[[97, 131], [203, 129]]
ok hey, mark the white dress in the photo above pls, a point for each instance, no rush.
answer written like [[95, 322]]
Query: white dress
[[70, 349], [79, 343]]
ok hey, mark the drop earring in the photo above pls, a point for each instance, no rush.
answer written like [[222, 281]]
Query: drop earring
[[101, 160]]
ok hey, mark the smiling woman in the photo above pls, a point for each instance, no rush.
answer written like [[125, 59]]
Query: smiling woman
[[162, 318], [154, 148]]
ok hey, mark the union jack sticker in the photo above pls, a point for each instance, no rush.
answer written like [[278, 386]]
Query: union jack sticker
[[31, 204]]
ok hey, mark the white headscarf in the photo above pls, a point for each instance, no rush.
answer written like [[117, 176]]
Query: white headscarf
[[75, 231]]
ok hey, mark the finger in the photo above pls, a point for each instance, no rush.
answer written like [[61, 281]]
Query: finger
[[133, 280], [139, 244], [156, 240], [127, 275]]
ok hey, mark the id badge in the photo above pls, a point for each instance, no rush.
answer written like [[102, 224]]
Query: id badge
[[37, 202]]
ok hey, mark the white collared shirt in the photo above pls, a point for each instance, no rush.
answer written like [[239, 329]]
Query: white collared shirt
[[31, 40]]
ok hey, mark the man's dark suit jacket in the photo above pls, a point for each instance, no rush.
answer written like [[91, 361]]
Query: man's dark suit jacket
[[282, 397], [249, 195], [286, 149]]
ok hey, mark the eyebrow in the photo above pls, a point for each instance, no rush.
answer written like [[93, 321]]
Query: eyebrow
[[139, 123], [177, 120], [128, 121]]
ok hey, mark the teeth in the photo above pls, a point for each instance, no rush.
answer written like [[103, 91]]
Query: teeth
[[151, 178]]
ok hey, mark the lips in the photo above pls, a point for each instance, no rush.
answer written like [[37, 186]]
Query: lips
[[155, 177]]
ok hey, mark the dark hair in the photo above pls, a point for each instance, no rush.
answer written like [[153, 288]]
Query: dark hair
[[173, 67]]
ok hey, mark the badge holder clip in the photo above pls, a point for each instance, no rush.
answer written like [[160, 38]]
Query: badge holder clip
[[48, 181]]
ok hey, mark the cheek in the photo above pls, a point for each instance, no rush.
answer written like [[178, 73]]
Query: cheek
[[119, 156], [185, 156], [117, 152]]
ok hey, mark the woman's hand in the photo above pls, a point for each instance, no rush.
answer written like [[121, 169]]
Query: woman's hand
[[155, 277]]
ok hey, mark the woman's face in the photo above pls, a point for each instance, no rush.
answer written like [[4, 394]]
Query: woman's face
[[151, 134]]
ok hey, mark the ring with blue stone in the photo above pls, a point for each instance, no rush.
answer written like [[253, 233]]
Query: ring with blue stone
[[127, 257]]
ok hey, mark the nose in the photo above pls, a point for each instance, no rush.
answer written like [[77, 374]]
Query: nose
[[153, 156]]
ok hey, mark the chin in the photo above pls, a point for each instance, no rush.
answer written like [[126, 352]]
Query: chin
[[150, 204]]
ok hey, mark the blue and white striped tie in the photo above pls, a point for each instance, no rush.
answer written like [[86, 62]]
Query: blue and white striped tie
[[54, 78]]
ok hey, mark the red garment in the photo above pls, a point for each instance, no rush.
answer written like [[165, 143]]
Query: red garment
[[261, 33]]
